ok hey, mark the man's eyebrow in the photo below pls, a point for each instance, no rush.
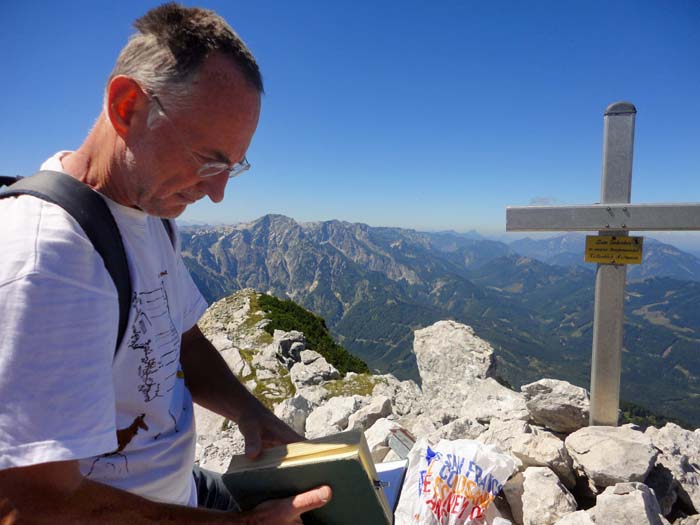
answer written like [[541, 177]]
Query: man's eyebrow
[[218, 156]]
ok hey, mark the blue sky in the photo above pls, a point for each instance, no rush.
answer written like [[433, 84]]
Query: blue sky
[[429, 115]]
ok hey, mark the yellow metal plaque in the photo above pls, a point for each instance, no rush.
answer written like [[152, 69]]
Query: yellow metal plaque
[[611, 249]]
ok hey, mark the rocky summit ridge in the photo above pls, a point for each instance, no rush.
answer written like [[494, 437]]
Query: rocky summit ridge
[[568, 473]]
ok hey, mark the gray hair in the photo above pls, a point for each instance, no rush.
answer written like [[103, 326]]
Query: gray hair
[[170, 46]]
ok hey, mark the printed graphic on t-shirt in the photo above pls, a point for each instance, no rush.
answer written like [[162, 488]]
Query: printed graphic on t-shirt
[[155, 336], [124, 437]]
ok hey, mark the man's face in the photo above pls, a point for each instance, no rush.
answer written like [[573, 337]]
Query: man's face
[[216, 126]]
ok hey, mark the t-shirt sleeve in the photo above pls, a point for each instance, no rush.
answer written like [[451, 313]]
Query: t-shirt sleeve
[[56, 349], [195, 304]]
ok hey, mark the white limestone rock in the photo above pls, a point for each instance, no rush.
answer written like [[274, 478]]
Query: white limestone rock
[[235, 362], [503, 433], [557, 405], [379, 407], [332, 417], [486, 400], [309, 356], [288, 345], [294, 412], [626, 504], [545, 499], [314, 394], [406, 396], [513, 491], [265, 374], [680, 454], [220, 341], [611, 455], [449, 355], [209, 424], [580, 517], [664, 485], [421, 425], [215, 452], [266, 359], [315, 372], [541, 448], [461, 428], [689, 520], [377, 438]]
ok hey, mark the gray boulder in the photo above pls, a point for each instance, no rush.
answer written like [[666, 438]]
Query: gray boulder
[[377, 437], [314, 394], [513, 491], [580, 517], [406, 396], [540, 448], [503, 433], [266, 359], [611, 455], [545, 499], [235, 362], [332, 417], [449, 355], [316, 371], [309, 356], [557, 405], [461, 428], [220, 341], [627, 504], [680, 454], [288, 345], [379, 407], [689, 520], [486, 400], [294, 411]]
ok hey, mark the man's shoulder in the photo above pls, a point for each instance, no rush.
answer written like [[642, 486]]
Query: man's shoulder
[[40, 237]]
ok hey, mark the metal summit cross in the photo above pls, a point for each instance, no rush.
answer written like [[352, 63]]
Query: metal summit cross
[[614, 217]]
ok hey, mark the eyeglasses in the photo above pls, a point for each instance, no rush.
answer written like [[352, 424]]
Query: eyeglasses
[[206, 169]]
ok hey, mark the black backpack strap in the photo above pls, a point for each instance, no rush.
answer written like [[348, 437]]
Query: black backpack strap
[[169, 230], [6, 180], [93, 215]]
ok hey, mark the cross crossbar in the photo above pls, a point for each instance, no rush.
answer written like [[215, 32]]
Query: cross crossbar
[[602, 217]]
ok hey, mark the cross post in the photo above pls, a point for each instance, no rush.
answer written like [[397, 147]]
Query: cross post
[[613, 216]]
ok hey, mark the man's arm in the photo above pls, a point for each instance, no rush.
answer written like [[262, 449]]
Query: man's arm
[[57, 493], [215, 387]]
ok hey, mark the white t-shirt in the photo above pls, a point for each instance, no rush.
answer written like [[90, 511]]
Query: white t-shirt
[[63, 393]]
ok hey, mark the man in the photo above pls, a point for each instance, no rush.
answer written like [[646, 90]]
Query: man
[[87, 436]]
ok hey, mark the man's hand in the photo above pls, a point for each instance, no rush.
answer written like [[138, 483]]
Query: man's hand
[[288, 511], [262, 429], [8, 513]]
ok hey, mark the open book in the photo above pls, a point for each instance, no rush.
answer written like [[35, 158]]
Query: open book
[[342, 461]]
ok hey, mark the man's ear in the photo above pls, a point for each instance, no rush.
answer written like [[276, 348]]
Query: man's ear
[[125, 99]]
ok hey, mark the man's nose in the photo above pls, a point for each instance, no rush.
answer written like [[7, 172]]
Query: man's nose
[[214, 187]]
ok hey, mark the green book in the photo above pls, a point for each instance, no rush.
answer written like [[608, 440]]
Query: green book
[[342, 461]]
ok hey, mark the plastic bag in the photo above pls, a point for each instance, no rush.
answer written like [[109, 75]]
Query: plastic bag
[[453, 483]]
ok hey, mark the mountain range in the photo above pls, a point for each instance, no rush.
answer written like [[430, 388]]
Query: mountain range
[[376, 286]]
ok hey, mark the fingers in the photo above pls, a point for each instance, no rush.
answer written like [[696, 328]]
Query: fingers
[[253, 444], [8, 514], [310, 500]]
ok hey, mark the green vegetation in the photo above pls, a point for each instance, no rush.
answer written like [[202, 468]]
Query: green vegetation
[[631, 413], [287, 315], [273, 391], [361, 385], [254, 318]]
